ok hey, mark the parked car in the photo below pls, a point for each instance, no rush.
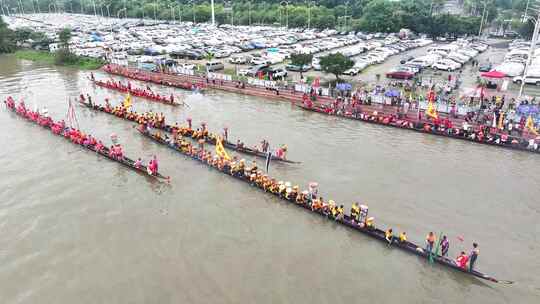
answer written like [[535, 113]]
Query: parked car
[[278, 73], [214, 66], [259, 61], [239, 59], [400, 73], [528, 80], [297, 68], [405, 59], [352, 71], [254, 70], [446, 65], [485, 67]]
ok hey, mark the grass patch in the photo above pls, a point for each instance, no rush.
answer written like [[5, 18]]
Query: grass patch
[[60, 58], [37, 56]]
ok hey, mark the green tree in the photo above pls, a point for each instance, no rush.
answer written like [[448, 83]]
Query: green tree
[[7, 38], [301, 60], [336, 64], [64, 36]]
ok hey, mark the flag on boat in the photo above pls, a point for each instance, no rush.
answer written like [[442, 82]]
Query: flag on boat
[[268, 158], [220, 151], [530, 125], [431, 110], [127, 101]]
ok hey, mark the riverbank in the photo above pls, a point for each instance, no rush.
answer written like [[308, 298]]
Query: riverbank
[[83, 63]]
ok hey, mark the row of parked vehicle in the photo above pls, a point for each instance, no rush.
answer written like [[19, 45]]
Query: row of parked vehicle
[[380, 52], [515, 61], [446, 57]]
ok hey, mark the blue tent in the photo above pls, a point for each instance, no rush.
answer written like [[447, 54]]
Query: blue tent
[[392, 93], [344, 86]]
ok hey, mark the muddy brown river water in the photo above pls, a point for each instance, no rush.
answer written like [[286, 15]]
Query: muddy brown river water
[[77, 228]]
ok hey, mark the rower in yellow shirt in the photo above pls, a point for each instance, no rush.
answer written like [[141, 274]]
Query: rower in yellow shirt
[[402, 237]]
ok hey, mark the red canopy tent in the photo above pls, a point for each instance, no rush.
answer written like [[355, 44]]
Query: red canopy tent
[[493, 74]]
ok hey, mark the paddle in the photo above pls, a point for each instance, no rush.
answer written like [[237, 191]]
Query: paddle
[[436, 249]]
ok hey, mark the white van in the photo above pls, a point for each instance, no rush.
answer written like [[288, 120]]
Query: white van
[[214, 66]]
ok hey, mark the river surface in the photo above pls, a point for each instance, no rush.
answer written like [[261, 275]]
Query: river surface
[[78, 228]]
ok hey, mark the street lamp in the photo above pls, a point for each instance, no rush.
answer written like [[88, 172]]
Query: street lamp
[[172, 12], [193, 10], [482, 19], [213, 15], [309, 13], [22, 7], [228, 8], [249, 12], [108, 13], [534, 40], [120, 11], [155, 11], [286, 5], [179, 14], [346, 8], [95, 12]]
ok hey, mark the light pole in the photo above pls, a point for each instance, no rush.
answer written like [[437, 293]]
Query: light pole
[[82, 6], [286, 5], [108, 13], [526, 9], [179, 14], [249, 13], [120, 11], [193, 10], [213, 15], [94, 3], [172, 12], [38, 9], [482, 19], [155, 11], [346, 8], [309, 13], [22, 7], [534, 40]]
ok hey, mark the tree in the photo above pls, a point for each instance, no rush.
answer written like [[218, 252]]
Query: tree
[[301, 60], [336, 64], [7, 38], [64, 36]]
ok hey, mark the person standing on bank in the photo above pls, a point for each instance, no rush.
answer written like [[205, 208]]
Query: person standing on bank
[[473, 256]]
